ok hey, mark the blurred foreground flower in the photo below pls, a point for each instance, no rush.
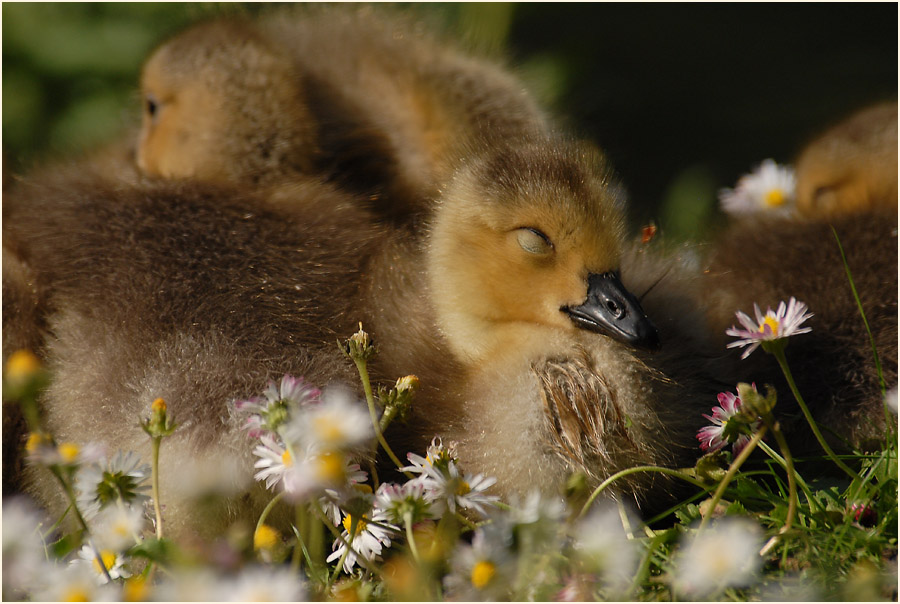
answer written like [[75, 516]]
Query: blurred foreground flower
[[23, 550], [600, 543], [484, 570], [725, 555], [114, 563], [771, 328], [770, 188]]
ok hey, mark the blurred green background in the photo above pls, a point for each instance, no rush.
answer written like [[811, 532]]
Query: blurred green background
[[684, 97]]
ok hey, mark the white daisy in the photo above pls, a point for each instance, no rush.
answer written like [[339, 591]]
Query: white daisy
[[269, 412], [69, 455], [114, 563], [116, 526], [436, 461], [484, 570], [601, 544], [334, 498], [74, 583], [771, 327], [101, 483], [770, 188], [398, 501], [727, 425], [263, 584], [274, 460], [372, 535], [725, 555], [451, 490], [339, 422]]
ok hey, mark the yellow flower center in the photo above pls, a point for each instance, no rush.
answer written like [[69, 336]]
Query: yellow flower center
[[330, 467], [360, 524], [21, 365], [286, 458], [35, 439], [135, 590], [68, 452], [482, 573], [109, 560], [265, 537], [76, 593], [463, 488], [771, 322], [158, 405], [328, 429], [775, 198]]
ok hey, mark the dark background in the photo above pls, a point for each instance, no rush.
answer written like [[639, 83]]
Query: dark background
[[683, 97]]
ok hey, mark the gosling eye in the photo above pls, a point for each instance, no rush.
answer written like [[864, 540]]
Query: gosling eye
[[152, 106], [533, 241]]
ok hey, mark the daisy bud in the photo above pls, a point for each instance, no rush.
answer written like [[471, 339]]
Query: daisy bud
[[159, 423], [359, 347], [754, 404], [265, 537]]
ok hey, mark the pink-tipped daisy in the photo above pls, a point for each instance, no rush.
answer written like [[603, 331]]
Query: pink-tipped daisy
[[728, 426], [769, 188], [774, 325]]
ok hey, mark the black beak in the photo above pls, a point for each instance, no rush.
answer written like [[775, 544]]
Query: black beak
[[612, 310]]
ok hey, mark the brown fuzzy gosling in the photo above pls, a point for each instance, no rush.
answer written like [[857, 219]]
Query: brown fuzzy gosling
[[224, 104], [366, 101], [852, 167], [190, 292]]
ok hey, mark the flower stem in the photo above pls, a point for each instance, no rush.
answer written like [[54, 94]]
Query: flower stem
[[370, 401], [407, 521], [267, 509], [354, 521], [792, 482], [70, 495], [627, 472], [155, 441], [782, 361], [735, 466]]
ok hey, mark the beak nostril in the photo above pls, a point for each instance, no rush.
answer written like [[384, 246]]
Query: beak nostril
[[614, 309]]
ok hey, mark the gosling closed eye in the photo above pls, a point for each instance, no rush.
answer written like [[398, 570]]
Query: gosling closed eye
[[533, 241]]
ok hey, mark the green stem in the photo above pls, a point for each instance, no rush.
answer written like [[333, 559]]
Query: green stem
[[70, 495], [370, 400], [301, 519], [791, 476], [782, 361], [800, 482], [627, 472], [354, 521], [862, 314], [156, 440], [735, 466], [266, 510], [407, 520]]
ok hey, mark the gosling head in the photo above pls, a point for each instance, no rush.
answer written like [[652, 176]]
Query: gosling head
[[222, 103], [525, 243]]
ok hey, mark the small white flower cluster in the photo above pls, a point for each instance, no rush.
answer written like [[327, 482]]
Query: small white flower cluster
[[306, 438], [445, 487]]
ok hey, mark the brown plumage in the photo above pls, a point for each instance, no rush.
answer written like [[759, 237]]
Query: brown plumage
[[194, 293], [198, 294], [366, 100]]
